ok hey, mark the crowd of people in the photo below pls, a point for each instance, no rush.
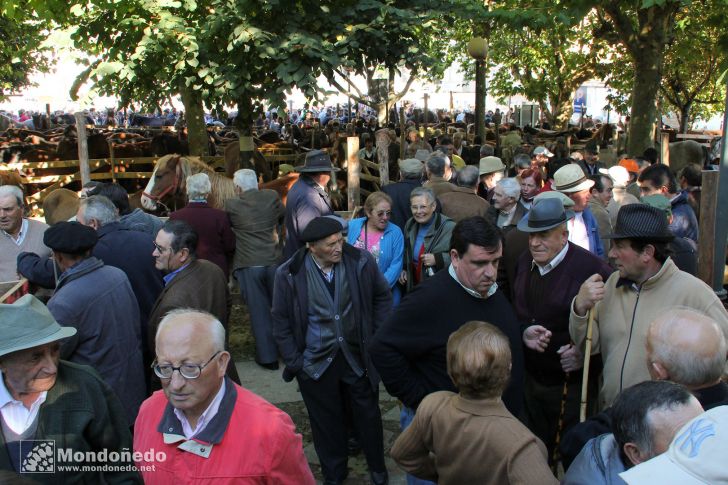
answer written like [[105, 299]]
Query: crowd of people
[[472, 291]]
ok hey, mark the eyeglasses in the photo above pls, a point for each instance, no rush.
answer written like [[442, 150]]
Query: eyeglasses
[[383, 213], [419, 207], [160, 248], [188, 371]]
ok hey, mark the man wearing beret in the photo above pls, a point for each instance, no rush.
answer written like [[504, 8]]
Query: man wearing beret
[[97, 301], [44, 399], [308, 198], [327, 302]]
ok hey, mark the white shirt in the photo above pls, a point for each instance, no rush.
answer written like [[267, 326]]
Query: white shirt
[[204, 418], [577, 231], [553, 263], [21, 234], [491, 291], [17, 417]]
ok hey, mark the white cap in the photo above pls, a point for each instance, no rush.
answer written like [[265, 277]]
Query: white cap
[[542, 151], [618, 174], [697, 455]]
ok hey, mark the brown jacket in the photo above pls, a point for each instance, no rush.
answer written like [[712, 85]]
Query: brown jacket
[[463, 202], [455, 441]]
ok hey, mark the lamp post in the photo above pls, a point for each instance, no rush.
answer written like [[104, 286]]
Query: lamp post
[[478, 50]]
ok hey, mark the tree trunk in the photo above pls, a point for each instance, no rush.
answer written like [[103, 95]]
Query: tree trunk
[[685, 116], [195, 117], [648, 67], [561, 113]]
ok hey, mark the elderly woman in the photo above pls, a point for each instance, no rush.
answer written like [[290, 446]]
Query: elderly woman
[[383, 239], [216, 239], [427, 239], [506, 211], [459, 438]]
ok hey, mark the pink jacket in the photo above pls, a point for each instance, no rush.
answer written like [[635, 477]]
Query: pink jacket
[[259, 446]]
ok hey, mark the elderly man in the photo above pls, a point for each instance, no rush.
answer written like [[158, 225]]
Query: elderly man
[[410, 177], [506, 212], [43, 398], [646, 418], [328, 300], [547, 278], [438, 173], [464, 200], [658, 179], [188, 282], [256, 217], [307, 199], [134, 219], [216, 241], [591, 164], [491, 170], [630, 299], [601, 195], [210, 428], [458, 438], [409, 348], [583, 228], [98, 301], [19, 234]]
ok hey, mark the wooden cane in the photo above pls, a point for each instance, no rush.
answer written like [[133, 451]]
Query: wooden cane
[[587, 360]]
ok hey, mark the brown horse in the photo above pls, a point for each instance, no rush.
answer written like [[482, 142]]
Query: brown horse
[[167, 186]]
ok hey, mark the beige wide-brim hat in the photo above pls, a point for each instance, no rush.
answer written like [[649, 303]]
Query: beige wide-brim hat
[[571, 178], [552, 194], [490, 164], [27, 323]]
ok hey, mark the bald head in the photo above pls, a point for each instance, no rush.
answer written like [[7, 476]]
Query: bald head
[[187, 325], [686, 347]]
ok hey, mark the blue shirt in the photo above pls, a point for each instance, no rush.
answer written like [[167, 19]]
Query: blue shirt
[[170, 276]]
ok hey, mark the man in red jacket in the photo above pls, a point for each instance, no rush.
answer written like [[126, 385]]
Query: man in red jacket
[[204, 427]]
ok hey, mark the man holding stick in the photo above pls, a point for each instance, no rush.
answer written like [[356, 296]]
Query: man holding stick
[[628, 301]]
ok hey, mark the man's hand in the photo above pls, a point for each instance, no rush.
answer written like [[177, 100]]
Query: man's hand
[[403, 277], [428, 259], [591, 291], [536, 338], [571, 358]]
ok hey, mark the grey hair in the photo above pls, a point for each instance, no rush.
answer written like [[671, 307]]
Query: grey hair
[[685, 363], [436, 163], [198, 186], [13, 190], [425, 192], [486, 150], [468, 177], [510, 187], [99, 208], [522, 160], [215, 328], [246, 179]]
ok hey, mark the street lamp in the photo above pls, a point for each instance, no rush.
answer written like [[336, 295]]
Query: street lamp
[[478, 50]]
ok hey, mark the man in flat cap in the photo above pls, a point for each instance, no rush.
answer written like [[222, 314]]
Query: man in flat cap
[[624, 305], [97, 301], [328, 300], [308, 198], [47, 400]]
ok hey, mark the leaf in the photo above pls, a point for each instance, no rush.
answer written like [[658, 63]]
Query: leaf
[[193, 62]]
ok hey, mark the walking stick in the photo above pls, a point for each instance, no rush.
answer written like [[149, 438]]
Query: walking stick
[[556, 455], [587, 359]]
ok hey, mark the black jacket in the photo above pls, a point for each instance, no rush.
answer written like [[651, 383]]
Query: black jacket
[[400, 194], [371, 302]]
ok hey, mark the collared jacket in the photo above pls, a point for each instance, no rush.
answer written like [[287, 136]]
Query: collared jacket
[[437, 242], [391, 248], [82, 414], [400, 194], [371, 304], [622, 318], [248, 441], [684, 223], [99, 303], [306, 201], [598, 463]]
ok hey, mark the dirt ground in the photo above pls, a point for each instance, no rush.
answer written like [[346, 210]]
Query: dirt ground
[[242, 347]]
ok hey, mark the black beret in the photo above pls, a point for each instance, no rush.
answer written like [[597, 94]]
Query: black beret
[[70, 237], [320, 228]]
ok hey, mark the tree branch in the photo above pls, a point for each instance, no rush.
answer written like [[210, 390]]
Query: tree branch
[[341, 89]]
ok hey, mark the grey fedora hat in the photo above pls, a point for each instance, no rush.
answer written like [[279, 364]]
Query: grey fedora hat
[[317, 161], [545, 214], [27, 323]]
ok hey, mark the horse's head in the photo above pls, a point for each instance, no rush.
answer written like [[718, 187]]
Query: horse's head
[[167, 181]]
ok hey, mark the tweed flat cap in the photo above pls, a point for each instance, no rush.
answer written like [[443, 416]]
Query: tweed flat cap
[[320, 228], [70, 237], [641, 221], [411, 166], [490, 164]]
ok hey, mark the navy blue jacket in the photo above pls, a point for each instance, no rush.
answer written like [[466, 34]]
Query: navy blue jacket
[[684, 223], [306, 201]]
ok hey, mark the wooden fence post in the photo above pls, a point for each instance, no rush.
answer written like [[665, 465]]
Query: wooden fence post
[[353, 168], [665, 148], [383, 141], [707, 250], [402, 133], [82, 148]]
